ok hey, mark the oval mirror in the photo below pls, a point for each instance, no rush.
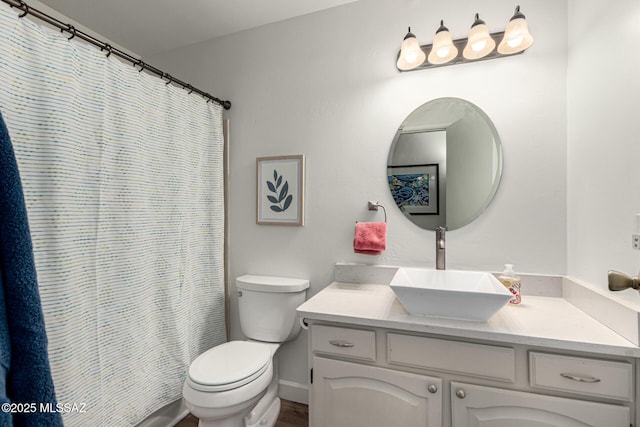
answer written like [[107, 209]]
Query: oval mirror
[[445, 164]]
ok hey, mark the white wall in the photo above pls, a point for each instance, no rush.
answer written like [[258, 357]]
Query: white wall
[[603, 126], [326, 85]]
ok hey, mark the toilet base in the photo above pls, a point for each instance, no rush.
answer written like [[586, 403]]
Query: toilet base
[[268, 419], [232, 416], [265, 413]]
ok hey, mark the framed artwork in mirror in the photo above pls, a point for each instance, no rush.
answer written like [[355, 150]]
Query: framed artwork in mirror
[[415, 188], [280, 190]]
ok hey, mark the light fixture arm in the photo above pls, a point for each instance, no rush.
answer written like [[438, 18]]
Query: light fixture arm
[[477, 21], [409, 34], [517, 14], [442, 27]]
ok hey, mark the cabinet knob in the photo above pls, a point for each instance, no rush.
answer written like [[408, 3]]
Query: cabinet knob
[[432, 388], [340, 343], [460, 393]]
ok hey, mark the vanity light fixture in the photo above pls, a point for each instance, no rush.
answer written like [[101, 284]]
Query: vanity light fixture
[[479, 42], [411, 55], [516, 37], [443, 50], [479, 45]]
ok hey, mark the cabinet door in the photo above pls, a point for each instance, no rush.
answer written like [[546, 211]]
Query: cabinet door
[[477, 406], [345, 394]]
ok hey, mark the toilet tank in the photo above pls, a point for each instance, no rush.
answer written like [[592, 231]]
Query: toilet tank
[[267, 306]]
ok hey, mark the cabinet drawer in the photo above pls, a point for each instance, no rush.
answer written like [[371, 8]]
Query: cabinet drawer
[[482, 361], [354, 343], [592, 377]]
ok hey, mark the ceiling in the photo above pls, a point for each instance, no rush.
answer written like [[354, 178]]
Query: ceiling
[[147, 27]]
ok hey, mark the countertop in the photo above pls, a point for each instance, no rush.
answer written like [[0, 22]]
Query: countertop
[[550, 322]]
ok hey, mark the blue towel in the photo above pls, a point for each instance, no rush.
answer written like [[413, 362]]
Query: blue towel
[[29, 378], [5, 359]]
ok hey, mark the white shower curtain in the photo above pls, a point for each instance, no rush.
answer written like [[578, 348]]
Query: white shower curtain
[[123, 182]]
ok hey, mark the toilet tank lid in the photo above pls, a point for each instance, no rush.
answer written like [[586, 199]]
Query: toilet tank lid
[[271, 283]]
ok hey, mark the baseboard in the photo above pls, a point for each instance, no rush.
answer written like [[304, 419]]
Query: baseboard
[[294, 392]]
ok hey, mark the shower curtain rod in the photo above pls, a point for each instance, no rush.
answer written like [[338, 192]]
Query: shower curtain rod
[[28, 10]]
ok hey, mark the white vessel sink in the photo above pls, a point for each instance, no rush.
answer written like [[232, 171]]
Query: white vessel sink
[[464, 295]]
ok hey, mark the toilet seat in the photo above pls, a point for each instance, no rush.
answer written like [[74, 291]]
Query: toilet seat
[[229, 366]]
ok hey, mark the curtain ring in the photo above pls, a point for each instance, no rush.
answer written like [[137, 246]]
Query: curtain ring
[[70, 29], [168, 77], [141, 64], [190, 89], [24, 6], [108, 48]]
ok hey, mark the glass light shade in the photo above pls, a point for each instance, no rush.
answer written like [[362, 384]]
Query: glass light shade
[[443, 50], [411, 54], [516, 36], [479, 43]]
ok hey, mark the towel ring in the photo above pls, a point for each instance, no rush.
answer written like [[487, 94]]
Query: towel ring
[[373, 206]]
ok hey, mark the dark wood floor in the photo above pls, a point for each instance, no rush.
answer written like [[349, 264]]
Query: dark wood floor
[[292, 414]]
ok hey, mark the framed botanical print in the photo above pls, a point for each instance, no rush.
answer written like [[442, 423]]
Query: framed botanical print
[[280, 190]]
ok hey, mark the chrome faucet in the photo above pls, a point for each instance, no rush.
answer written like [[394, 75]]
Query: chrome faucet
[[440, 247]]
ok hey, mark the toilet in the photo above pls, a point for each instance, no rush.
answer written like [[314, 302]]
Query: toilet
[[235, 384]]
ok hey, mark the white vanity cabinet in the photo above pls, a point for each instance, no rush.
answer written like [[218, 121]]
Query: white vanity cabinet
[[379, 377], [355, 393]]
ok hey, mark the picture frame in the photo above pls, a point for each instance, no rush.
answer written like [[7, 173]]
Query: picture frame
[[280, 190], [415, 188]]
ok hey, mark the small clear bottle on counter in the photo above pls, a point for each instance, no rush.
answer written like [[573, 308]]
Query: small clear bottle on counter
[[512, 282]]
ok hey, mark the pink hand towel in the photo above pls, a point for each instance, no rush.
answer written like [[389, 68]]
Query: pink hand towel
[[370, 238]]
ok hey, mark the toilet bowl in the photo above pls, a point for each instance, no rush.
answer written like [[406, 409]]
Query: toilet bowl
[[235, 384]]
